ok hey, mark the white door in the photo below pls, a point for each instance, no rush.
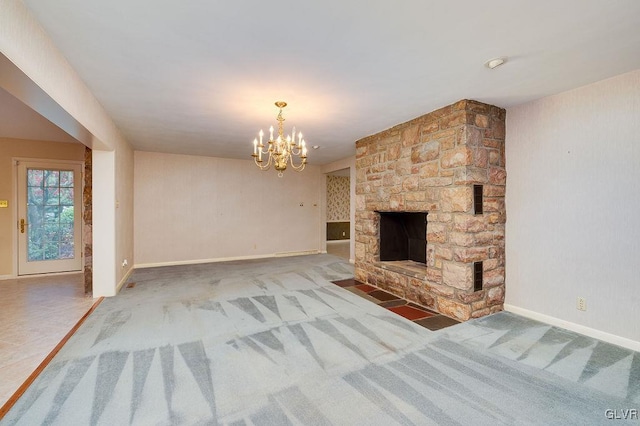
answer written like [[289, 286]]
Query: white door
[[49, 217]]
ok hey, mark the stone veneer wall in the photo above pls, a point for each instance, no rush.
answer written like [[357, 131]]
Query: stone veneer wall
[[87, 216], [430, 164]]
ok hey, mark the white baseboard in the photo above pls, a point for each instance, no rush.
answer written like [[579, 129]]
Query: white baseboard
[[49, 274], [222, 259], [124, 280], [296, 253], [587, 331], [197, 261]]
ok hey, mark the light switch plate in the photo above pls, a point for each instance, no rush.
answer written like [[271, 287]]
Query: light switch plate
[[4, 204]]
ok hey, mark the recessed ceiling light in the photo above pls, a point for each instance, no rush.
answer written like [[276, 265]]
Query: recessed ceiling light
[[315, 146], [495, 62]]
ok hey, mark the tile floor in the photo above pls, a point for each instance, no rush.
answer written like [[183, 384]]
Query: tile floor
[[411, 311], [35, 314]]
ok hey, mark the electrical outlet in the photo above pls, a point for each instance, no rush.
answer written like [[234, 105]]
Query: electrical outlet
[[581, 304]]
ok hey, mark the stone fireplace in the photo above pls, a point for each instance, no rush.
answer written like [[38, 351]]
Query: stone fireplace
[[437, 185]]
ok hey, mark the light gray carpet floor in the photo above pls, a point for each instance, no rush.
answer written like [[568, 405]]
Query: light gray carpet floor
[[273, 342]]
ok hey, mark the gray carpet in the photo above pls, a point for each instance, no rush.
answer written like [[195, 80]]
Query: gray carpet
[[273, 342], [575, 357]]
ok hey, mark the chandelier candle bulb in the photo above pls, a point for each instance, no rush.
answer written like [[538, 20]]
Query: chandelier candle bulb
[[255, 146]]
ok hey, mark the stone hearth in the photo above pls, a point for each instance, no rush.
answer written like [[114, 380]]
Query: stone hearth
[[430, 165]]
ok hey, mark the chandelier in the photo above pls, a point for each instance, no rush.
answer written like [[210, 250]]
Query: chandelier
[[281, 150]]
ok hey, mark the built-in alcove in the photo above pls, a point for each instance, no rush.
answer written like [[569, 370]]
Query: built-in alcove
[[338, 231], [403, 236]]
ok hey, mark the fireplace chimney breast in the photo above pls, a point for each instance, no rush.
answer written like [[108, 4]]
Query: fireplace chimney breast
[[444, 163]]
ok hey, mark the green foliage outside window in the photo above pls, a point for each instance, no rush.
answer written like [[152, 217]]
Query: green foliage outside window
[[50, 214]]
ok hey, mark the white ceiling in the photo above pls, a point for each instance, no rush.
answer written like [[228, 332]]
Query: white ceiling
[[19, 121], [201, 76]]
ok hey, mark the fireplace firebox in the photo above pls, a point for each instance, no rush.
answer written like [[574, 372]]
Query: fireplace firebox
[[451, 164], [403, 236]]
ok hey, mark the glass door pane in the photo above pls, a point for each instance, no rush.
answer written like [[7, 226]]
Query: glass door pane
[[50, 211], [50, 218]]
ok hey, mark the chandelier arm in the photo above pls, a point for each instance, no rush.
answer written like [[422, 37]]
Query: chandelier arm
[[262, 167], [300, 166], [268, 146]]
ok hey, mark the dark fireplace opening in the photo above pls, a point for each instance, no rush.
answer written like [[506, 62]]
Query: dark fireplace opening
[[403, 236]]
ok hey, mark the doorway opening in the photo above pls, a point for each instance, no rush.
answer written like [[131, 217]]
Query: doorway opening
[[339, 213]]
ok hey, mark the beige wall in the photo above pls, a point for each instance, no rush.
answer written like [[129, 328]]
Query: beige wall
[[189, 208], [10, 148], [573, 164], [124, 211]]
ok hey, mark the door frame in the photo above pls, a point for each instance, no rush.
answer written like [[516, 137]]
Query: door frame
[[15, 218]]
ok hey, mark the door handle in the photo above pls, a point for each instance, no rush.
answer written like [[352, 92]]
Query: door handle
[[22, 225]]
